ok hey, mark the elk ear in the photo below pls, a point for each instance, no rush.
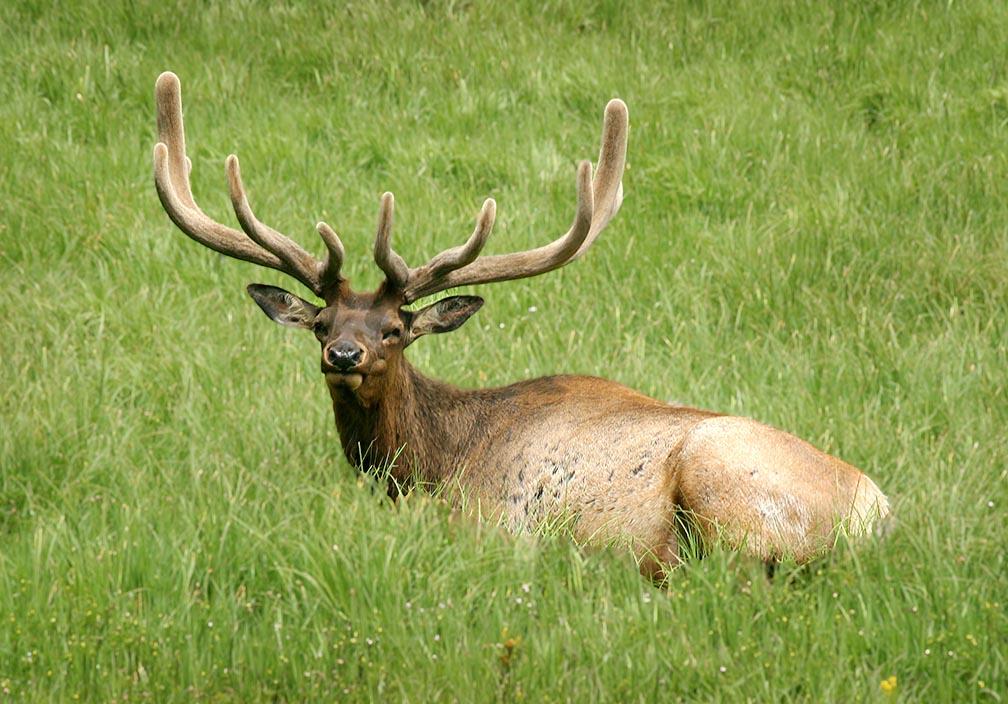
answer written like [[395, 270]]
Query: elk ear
[[283, 307], [444, 316]]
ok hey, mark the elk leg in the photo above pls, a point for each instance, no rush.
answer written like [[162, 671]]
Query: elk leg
[[657, 562]]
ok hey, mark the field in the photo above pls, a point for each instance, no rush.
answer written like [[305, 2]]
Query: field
[[814, 234]]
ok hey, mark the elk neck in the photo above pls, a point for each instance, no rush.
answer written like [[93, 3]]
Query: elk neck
[[415, 426]]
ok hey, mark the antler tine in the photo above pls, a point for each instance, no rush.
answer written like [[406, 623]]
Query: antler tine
[[598, 200], [607, 184], [297, 262], [458, 257], [394, 266], [258, 244], [330, 274]]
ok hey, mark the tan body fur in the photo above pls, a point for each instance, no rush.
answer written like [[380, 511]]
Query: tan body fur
[[619, 466]]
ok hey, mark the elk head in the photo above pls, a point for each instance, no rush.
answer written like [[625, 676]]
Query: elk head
[[363, 335]]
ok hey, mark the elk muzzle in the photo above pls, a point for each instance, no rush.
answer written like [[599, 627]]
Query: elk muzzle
[[342, 355]]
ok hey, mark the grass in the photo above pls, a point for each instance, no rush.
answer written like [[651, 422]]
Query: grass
[[813, 235]]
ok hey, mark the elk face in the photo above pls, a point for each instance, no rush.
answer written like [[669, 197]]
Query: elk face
[[363, 335]]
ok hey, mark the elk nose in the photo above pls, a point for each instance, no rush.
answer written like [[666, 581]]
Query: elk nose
[[344, 354]]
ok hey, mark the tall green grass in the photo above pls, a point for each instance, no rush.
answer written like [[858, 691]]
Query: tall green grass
[[813, 234]]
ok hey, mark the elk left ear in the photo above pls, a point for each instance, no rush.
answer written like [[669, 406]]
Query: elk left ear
[[444, 316]]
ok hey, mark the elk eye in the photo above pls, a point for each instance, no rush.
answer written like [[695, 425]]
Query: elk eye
[[392, 333], [319, 328]]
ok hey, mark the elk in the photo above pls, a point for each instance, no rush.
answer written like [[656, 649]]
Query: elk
[[620, 466]]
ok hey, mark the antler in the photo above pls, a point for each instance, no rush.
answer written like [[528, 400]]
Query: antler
[[259, 243], [598, 200]]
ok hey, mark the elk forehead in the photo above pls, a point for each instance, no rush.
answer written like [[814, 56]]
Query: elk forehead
[[360, 314]]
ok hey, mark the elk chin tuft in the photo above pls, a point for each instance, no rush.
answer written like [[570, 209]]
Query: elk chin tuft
[[352, 381]]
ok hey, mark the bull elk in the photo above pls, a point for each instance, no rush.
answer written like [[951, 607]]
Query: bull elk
[[621, 466]]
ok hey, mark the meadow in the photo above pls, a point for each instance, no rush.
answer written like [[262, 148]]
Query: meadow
[[813, 234]]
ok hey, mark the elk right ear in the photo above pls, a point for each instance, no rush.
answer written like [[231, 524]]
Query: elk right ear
[[283, 307], [444, 316]]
